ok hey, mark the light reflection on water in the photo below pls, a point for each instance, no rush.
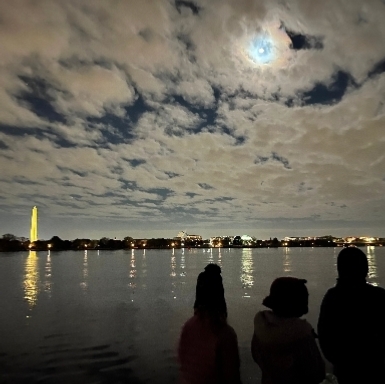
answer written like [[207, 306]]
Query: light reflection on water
[[247, 277], [219, 262], [48, 275], [210, 255], [132, 273], [31, 279], [372, 274], [84, 282], [287, 260], [144, 270], [182, 264], [173, 275]]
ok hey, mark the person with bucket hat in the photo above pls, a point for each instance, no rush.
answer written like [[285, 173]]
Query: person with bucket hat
[[208, 346], [283, 344]]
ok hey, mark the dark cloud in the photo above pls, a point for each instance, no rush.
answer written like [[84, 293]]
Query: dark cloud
[[39, 100], [300, 41], [281, 159], [205, 186], [224, 199], [273, 157], [191, 195], [137, 109], [261, 160], [172, 175], [38, 133], [177, 131], [114, 129], [188, 46], [147, 34], [164, 193], [74, 171], [128, 184], [25, 181], [136, 162], [303, 188], [377, 69], [329, 93], [180, 4], [208, 115]]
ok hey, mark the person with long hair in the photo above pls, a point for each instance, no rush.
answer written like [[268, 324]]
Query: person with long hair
[[208, 345]]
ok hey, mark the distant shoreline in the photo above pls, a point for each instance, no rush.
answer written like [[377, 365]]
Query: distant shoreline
[[185, 248], [10, 243]]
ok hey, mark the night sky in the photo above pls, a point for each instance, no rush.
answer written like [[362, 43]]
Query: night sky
[[218, 117]]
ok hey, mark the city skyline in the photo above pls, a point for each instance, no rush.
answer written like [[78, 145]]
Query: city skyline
[[183, 234], [144, 118]]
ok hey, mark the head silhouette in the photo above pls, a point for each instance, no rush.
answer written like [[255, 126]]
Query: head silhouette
[[210, 294], [352, 263], [288, 297]]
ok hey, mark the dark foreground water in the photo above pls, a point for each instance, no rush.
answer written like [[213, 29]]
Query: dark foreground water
[[115, 317]]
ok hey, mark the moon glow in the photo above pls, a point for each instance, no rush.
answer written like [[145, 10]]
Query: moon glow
[[267, 48], [261, 49]]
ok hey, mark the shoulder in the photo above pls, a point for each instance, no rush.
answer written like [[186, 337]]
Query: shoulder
[[376, 289], [262, 316], [190, 323], [228, 332], [331, 291], [330, 296], [303, 327], [375, 293]]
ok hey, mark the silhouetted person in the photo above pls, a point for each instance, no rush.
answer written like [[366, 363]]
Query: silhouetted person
[[208, 346], [284, 345], [351, 324]]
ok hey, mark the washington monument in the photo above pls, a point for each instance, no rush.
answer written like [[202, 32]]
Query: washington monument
[[33, 235]]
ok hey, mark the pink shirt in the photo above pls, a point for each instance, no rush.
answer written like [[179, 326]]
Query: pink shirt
[[208, 356]]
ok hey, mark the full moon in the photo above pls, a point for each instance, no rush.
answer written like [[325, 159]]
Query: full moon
[[268, 47], [262, 49]]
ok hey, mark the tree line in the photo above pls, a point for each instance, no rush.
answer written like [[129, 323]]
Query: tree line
[[12, 243]]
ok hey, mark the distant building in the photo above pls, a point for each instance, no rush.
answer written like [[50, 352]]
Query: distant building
[[221, 241], [298, 238], [361, 239], [183, 235]]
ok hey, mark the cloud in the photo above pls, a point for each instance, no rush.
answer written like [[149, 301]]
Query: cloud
[[92, 91], [154, 114]]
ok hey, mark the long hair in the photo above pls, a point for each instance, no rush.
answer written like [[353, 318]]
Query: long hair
[[210, 295]]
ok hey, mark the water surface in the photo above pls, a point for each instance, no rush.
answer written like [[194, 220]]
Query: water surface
[[115, 316]]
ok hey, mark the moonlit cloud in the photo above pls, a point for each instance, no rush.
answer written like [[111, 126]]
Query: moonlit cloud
[[147, 117]]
